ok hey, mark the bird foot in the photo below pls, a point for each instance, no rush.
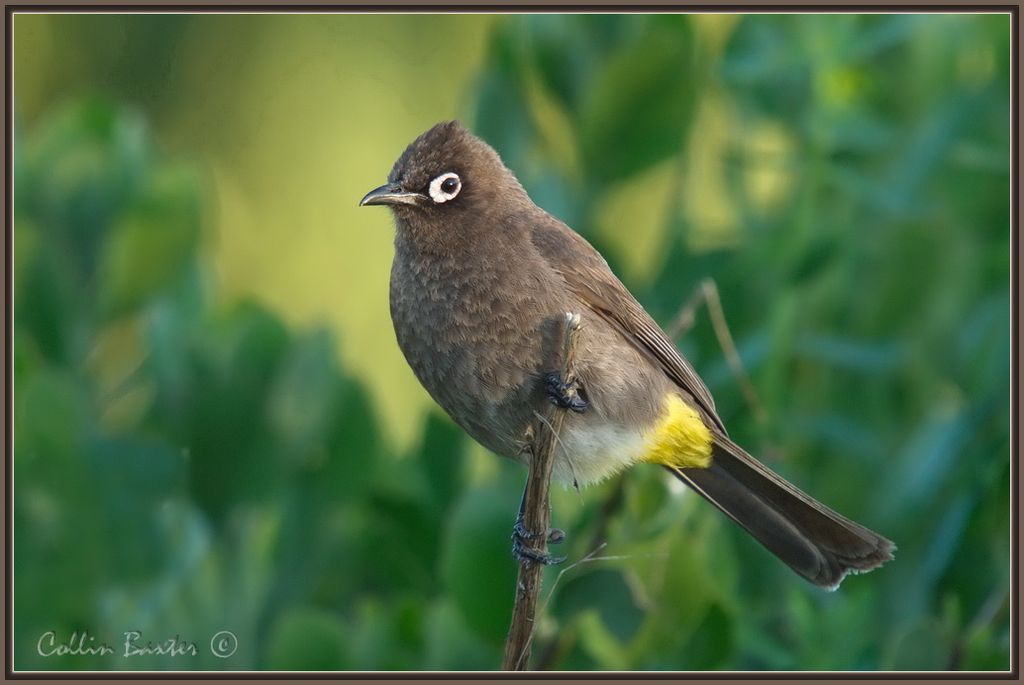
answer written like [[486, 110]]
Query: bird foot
[[567, 395], [523, 552]]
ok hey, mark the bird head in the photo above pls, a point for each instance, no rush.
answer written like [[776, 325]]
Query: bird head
[[444, 174]]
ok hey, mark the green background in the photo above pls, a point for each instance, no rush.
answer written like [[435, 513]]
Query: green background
[[214, 428]]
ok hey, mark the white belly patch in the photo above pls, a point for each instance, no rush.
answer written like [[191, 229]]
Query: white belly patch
[[590, 454]]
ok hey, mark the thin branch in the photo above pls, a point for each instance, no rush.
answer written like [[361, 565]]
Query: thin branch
[[537, 514], [684, 319], [707, 292]]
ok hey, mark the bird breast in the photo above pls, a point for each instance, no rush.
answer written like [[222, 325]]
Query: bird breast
[[476, 336]]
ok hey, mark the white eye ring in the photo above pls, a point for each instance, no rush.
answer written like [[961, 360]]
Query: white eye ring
[[441, 188]]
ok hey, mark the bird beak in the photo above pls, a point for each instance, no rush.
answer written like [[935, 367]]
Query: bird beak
[[390, 194]]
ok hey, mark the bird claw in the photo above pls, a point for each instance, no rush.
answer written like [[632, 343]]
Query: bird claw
[[563, 394], [523, 552], [556, 536]]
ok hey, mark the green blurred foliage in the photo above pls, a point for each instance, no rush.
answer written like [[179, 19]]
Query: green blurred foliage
[[187, 462]]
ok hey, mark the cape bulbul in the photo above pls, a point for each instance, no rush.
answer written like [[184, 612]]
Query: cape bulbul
[[480, 283]]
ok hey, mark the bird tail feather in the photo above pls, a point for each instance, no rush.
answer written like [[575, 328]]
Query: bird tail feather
[[816, 542]]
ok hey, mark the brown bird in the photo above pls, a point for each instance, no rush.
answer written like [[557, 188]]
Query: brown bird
[[480, 283]]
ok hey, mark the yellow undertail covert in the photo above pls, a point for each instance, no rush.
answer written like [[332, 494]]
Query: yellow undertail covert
[[680, 438]]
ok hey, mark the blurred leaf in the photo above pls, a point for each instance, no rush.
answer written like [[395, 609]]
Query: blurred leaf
[[478, 569], [307, 639], [353, 441], [452, 645], [502, 116], [923, 646], [605, 591], [617, 137], [602, 646], [685, 588], [566, 48], [231, 457], [44, 295], [51, 419], [150, 243], [381, 639], [301, 398], [134, 482], [987, 651], [398, 546], [442, 458], [851, 354], [79, 169], [597, 76], [711, 644]]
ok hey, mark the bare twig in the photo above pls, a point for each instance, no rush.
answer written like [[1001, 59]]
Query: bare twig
[[537, 512], [684, 319], [707, 292]]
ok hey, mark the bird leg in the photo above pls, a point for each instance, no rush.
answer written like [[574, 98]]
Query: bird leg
[[522, 551], [565, 394]]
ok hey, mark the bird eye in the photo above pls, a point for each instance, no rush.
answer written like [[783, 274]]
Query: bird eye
[[445, 187]]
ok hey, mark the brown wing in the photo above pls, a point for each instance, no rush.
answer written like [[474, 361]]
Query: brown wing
[[587, 274]]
